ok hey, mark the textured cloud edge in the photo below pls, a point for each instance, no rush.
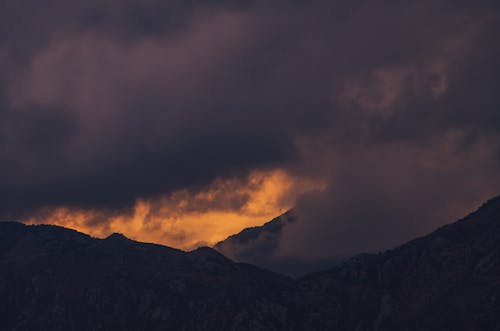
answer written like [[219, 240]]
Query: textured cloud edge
[[187, 220], [110, 111]]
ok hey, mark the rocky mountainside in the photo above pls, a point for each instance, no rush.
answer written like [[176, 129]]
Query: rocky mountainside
[[448, 280], [259, 245], [256, 238], [53, 278]]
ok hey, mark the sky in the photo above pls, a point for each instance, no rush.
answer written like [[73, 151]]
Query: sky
[[183, 122]]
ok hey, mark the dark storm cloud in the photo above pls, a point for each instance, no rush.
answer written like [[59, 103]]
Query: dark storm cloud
[[143, 117], [103, 102], [382, 196]]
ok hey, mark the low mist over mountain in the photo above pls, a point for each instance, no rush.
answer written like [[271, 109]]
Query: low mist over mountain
[[260, 246], [52, 278]]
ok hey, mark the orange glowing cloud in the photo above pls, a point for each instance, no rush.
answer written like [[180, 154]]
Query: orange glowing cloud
[[186, 219]]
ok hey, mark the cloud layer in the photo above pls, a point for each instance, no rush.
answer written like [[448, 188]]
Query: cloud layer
[[394, 106]]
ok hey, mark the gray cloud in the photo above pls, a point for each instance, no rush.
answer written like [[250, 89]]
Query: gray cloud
[[395, 105], [381, 196]]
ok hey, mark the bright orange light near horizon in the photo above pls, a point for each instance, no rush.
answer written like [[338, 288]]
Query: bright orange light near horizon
[[187, 220]]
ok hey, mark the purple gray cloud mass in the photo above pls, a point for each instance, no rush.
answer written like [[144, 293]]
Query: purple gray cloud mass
[[395, 105]]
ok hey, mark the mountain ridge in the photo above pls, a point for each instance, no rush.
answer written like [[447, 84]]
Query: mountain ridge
[[260, 245], [56, 278]]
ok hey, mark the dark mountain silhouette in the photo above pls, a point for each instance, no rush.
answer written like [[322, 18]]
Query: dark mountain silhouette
[[259, 245], [448, 280], [53, 278]]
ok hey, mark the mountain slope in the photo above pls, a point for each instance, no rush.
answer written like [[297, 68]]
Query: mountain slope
[[259, 245], [257, 238], [448, 280], [53, 278]]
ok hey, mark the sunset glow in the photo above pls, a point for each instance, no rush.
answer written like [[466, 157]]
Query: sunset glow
[[187, 220]]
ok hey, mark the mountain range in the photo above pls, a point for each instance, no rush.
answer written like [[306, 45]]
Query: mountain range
[[52, 278]]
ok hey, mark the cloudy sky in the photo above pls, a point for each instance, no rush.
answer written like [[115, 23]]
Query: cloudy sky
[[181, 122]]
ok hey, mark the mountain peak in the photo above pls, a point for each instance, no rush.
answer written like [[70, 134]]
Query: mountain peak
[[117, 237]]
